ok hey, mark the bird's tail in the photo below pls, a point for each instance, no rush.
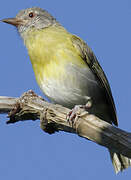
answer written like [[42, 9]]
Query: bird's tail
[[119, 161]]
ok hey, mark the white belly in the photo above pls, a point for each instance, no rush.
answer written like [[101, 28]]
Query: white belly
[[73, 88]]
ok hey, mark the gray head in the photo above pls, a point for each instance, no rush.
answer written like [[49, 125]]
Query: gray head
[[31, 18]]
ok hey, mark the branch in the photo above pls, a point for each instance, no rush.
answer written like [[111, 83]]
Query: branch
[[53, 118]]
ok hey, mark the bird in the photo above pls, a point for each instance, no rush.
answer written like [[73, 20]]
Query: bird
[[66, 69]]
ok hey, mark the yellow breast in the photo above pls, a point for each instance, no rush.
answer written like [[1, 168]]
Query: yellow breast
[[50, 51]]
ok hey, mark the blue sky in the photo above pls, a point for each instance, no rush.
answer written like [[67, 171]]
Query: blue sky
[[26, 152]]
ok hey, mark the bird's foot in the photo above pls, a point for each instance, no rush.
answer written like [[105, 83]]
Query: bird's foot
[[74, 113]]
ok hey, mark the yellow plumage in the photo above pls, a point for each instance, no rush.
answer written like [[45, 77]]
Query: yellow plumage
[[50, 50]]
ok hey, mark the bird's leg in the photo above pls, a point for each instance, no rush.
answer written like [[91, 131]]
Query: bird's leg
[[72, 115]]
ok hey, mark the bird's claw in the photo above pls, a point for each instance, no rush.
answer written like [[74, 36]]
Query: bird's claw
[[71, 116], [74, 113]]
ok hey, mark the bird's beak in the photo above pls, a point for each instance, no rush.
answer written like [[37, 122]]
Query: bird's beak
[[14, 21]]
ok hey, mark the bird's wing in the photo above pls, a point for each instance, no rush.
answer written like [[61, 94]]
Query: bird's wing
[[88, 56]]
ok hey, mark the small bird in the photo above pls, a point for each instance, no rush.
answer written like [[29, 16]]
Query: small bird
[[66, 69]]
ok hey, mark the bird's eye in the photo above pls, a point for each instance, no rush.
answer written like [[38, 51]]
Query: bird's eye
[[31, 14]]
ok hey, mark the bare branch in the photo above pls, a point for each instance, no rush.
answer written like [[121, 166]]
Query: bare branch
[[7, 104], [53, 118]]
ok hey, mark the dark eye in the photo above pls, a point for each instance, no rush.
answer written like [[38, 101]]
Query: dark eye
[[31, 14]]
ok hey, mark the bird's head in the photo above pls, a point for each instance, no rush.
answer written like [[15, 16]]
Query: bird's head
[[31, 18]]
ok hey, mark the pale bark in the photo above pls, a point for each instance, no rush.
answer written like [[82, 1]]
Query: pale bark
[[31, 107]]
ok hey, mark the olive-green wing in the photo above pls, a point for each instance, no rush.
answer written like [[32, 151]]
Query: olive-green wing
[[88, 56]]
